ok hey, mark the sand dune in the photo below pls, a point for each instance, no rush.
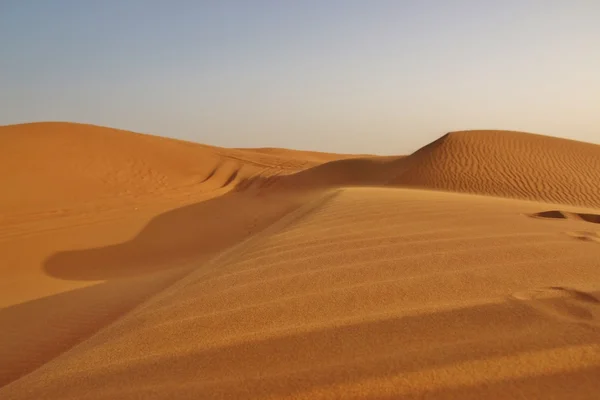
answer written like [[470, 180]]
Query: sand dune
[[73, 187], [150, 277], [498, 163], [509, 164], [51, 164]]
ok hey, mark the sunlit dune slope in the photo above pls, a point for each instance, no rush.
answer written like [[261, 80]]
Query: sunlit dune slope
[[363, 293], [498, 163], [55, 164], [508, 164]]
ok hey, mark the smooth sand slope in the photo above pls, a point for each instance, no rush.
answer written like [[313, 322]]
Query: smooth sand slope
[[298, 284]]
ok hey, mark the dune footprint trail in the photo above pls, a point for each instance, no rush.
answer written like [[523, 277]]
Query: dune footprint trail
[[557, 214], [565, 303], [586, 236], [165, 269]]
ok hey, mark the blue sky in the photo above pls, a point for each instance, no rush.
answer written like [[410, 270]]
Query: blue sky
[[336, 75]]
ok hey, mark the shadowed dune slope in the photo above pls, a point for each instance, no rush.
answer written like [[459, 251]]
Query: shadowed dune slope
[[499, 163]]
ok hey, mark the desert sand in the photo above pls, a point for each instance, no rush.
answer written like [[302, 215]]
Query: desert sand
[[139, 267]]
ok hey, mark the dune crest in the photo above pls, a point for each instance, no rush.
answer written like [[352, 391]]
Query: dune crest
[[508, 164]]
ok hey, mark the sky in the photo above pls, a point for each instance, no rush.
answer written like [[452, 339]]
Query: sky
[[370, 76]]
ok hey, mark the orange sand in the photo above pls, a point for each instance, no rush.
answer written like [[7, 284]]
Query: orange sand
[[134, 266]]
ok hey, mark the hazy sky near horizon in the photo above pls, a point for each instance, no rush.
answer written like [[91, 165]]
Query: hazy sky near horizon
[[369, 76]]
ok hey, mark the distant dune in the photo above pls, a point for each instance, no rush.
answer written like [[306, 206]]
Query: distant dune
[[48, 164], [498, 163], [135, 266], [508, 164]]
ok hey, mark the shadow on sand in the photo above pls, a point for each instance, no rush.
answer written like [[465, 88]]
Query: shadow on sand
[[424, 344], [189, 233], [37, 331], [169, 246]]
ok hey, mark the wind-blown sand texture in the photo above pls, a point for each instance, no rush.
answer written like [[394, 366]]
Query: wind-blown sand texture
[[134, 266]]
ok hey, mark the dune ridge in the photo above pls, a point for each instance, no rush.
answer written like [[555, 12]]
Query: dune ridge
[[159, 268], [509, 164], [497, 163]]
